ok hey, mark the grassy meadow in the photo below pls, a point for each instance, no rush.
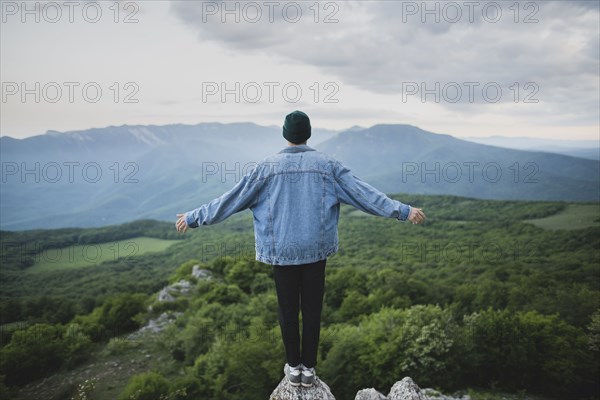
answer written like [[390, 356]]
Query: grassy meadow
[[78, 256]]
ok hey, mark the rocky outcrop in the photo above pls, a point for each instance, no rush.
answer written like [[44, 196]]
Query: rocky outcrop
[[183, 287], [200, 273], [169, 293], [369, 394], [165, 295], [318, 391], [155, 325], [406, 389]]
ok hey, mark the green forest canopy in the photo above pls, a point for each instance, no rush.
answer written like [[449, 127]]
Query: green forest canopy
[[477, 296]]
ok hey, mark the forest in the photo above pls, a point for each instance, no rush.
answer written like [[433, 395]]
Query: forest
[[480, 297]]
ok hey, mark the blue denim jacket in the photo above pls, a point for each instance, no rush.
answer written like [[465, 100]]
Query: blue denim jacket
[[295, 197]]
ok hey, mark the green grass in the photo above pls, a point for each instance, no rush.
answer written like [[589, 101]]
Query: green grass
[[574, 216], [79, 256]]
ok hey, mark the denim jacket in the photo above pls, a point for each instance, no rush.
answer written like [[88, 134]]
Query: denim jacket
[[295, 198]]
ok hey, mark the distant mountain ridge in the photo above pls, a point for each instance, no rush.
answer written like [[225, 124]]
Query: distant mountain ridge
[[404, 158], [577, 148], [115, 174]]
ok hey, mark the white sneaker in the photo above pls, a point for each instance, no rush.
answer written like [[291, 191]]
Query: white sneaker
[[308, 377], [293, 374]]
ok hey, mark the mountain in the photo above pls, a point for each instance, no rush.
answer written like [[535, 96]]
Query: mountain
[[577, 148], [404, 158], [111, 175]]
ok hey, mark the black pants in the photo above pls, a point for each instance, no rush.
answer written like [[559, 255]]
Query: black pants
[[300, 286]]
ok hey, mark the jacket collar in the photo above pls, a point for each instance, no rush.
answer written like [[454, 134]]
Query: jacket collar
[[297, 149]]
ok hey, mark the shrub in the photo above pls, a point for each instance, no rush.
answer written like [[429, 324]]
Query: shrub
[[389, 344], [184, 271], [525, 350], [146, 386], [117, 346], [241, 367], [39, 349]]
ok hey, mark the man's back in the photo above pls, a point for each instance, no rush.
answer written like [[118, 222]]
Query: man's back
[[297, 208], [295, 196]]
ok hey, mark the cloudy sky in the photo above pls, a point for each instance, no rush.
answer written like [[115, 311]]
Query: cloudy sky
[[465, 68]]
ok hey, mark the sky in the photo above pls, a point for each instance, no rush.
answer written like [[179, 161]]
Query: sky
[[465, 68]]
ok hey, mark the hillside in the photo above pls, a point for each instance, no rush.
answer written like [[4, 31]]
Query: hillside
[[113, 175], [488, 295]]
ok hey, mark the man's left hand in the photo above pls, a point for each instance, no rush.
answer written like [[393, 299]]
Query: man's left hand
[[416, 216]]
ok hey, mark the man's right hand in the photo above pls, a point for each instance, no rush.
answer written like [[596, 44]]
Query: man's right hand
[[181, 225], [416, 215]]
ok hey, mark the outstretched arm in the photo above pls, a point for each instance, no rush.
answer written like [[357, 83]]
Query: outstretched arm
[[241, 196], [353, 191]]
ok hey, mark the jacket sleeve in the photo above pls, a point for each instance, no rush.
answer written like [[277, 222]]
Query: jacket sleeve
[[242, 196], [353, 191]]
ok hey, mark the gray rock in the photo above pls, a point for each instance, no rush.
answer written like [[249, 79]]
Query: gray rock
[[369, 394], [200, 273], [164, 295], [406, 389], [182, 286], [156, 325], [318, 391], [431, 394]]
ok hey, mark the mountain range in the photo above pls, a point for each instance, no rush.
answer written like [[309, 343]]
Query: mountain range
[[110, 175], [577, 148]]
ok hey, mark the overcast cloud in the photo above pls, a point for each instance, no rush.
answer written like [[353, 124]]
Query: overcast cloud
[[373, 59], [382, 46]]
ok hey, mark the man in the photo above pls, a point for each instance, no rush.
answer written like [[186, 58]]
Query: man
[[295, 197]]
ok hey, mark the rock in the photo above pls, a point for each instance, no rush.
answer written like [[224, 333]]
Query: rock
[[182, 286], [431, 394], [369, 394], [318, 391], [170, 292], [406, 389], [200, 273], [164, 295], [156, 325]]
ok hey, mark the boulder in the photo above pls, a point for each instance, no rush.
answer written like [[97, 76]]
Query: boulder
[[318, 391], [369, 394], [406, 389]]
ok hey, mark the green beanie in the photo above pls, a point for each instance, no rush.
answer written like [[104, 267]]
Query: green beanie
[[296, 127]]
